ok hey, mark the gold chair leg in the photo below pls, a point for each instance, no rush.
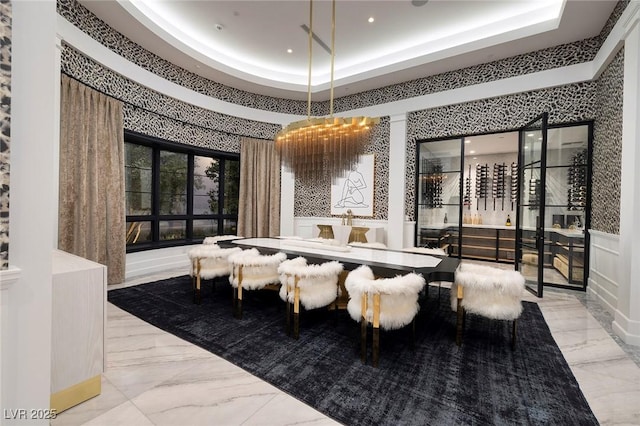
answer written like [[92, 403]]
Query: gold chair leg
[[238, 306], [363, 340], [197, 295], [413, 334], [363, 329], [287, 326], [296, 311], [376, 329], [376, 346], [459, 323], [460, 317], [197, 298]]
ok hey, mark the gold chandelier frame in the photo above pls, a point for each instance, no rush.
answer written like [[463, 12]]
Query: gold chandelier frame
[[317, 146]]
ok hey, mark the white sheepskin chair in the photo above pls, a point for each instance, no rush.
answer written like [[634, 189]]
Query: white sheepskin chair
[[430, 252], [208, 262], [314, 286], [487, 291], [253, 271], [388, 303]]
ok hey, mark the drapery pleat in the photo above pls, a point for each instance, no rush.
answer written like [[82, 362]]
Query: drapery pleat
[[91, 219], [259, 204]]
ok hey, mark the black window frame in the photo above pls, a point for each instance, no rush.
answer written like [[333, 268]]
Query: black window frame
[[155, 217]]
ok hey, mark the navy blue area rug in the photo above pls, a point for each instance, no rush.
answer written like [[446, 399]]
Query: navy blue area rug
[[482, 382]]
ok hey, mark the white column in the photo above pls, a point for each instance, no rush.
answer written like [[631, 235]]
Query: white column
[[627, 315], [397, 187], [26, 362], [287, 194]]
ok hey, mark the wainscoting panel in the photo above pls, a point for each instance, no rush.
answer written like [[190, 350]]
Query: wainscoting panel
[[603, 268], [152, 261], [306, 226]]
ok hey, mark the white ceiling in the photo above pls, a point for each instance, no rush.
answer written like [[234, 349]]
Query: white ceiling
[[244, 44]]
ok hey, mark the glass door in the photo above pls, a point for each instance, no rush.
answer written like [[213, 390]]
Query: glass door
[[438, 194], [530, 185]]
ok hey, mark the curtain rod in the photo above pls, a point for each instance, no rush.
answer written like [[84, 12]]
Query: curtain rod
[[155, 112]]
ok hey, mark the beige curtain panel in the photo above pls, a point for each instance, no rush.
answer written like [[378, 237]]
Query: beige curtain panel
[[91, 220], [259, 204]]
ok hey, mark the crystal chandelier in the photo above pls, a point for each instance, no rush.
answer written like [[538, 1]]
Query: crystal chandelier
[[318, 146]]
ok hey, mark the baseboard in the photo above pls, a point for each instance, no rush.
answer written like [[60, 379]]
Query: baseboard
[[76, 394]]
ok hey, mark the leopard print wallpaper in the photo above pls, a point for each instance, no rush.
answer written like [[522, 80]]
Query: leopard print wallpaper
[[152, 113], [5, 123], [607, 148], [558, 56]]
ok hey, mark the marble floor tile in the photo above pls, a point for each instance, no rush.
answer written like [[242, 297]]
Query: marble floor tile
[[125, 414], [154, 378], [109, 398], [286, 410], [211, 392]]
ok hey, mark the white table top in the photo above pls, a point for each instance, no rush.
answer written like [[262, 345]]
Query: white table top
[[354, 254]]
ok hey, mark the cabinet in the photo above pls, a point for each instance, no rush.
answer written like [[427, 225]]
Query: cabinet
[[568, 254], [77, 329], [487, 243], [436, 237]]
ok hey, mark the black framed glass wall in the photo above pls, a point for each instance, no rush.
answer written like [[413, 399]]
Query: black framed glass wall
[[177, 194], [481, 216], [438, 197], [567, 205]]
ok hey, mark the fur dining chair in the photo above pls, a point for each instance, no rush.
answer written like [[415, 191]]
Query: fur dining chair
[[489, 292], [430, 252], [208, 261], [311, 285], [253, 271], [387, 303]]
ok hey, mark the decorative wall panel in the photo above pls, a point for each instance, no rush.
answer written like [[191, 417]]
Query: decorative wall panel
[[5, 129], [607, 149]]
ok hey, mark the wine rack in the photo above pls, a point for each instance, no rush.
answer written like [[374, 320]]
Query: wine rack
[[467, 190], [499, 180], [514, 183], [534, 194], [577, 182], [482, 180], [432, 178]]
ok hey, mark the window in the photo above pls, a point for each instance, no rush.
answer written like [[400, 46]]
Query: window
[[176, 194]]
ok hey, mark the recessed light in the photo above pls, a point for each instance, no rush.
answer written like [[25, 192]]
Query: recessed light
[[370, 20], [472, 152], [467, 141], [289, 50], [530, 134]]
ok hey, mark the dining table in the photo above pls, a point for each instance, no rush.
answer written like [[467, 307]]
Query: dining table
[[383, 262]]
